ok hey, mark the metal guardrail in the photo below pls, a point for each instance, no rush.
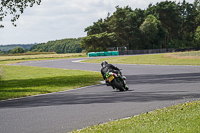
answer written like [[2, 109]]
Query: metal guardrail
[[148, 51]]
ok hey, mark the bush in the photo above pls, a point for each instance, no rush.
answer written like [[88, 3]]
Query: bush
[[180, 44], [17, 50], [40, 50]]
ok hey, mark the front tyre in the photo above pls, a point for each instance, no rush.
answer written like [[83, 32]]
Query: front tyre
[[126, 88], [118, 85]]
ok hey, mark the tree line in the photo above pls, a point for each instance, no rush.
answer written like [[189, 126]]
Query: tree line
[[70, 45], [15, 48], [11, 46], [166, 24]]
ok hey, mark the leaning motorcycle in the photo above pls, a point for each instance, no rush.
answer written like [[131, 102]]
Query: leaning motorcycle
[[116, 80]]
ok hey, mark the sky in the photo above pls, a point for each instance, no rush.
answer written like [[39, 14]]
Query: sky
[[60, 19]]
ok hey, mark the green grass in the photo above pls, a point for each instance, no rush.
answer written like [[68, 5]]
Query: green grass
[[192, 53], [183, 118], [1, 73], [154, 59], [21, 81], [20, 58]]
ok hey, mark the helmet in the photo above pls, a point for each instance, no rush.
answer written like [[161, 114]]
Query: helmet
[[103, 64]]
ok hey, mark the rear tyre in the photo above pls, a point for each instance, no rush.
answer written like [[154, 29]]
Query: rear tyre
[[118, 85]]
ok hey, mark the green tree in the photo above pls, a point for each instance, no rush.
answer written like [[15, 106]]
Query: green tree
[[98, 42], [70, 45], [165, 25], [14, 8], [197, 37], [98, 27], [134, 38], [17, 50], [188, 26], [169, 14], [197, 4], [118, 24], [149, 30], [40, 50], [125, 23]]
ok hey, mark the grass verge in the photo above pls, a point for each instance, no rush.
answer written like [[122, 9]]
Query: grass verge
[[183, 118], [1, 73], [21, 81], [21, 58], [184, 55], [154, 59]]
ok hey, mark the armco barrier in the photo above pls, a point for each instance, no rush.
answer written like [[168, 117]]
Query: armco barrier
[[108, 53], [148, 51]]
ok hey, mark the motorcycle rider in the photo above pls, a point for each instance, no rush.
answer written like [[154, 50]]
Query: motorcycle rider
[[110, 68]]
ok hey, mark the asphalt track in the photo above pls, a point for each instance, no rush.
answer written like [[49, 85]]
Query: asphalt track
[[151, 87]]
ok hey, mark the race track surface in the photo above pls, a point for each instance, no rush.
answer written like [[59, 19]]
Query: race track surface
[[151, 87]]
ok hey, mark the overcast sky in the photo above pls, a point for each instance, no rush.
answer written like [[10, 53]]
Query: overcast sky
[[59, 19]]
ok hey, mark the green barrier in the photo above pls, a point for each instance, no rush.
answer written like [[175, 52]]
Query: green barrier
[[92, 54], [115, 52], [109, 53], [100, 54]]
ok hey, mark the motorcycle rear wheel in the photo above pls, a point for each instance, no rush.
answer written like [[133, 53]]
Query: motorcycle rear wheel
[[118, 85]]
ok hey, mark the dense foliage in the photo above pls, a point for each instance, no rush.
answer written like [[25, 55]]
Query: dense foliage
[[59, 46], [197, 36], [17, 50], [14, 8], [166, 24]]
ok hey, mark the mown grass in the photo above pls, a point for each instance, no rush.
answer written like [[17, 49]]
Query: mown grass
[[154, 59], [184, 55], [183, 118], [22, 81], [20, 58], [1, 73]]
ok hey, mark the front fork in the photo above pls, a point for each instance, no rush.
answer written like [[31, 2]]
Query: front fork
[[124, 80]]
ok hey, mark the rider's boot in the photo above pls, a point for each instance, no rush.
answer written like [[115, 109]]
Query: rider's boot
[[113, 87]]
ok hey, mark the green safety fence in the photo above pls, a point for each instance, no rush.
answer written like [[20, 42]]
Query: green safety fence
[[108, 53]]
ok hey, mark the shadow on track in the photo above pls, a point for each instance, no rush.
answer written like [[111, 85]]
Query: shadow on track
[[89, 96], [164, 79]]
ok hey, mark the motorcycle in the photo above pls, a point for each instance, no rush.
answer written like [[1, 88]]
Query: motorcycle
[[116, 80]]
